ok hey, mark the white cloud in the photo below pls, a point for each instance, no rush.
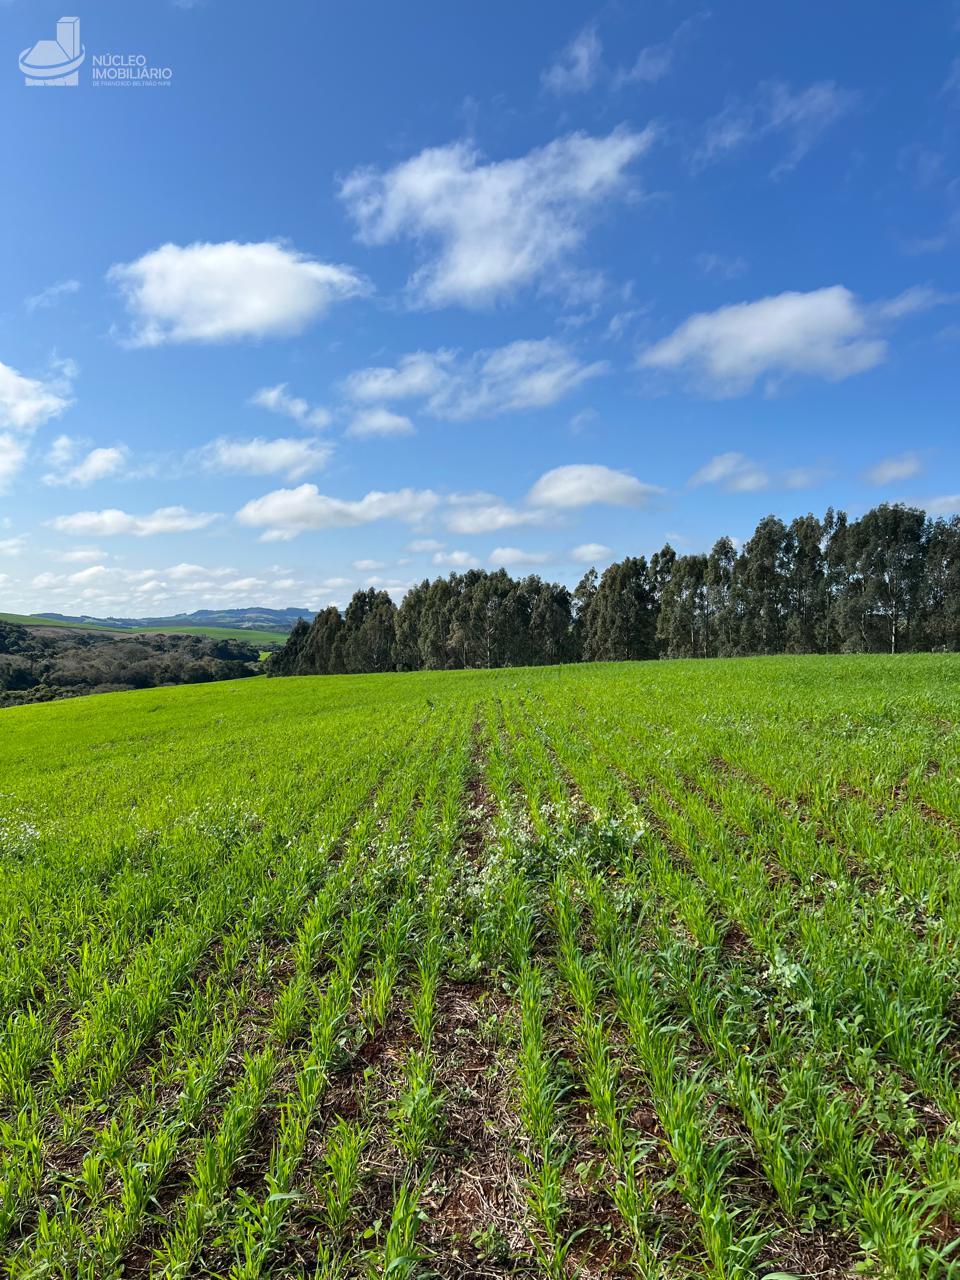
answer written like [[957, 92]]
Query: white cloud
[[99, 588], [78, 473], [13, 546], [13, 454], [888, 470], [456, 559], [718, 264], [421, 545], [656, 60], [50, 296], [825, 333], [951, 86], [527, 374], [286, 512], [578, 67], [585, 418], [29, 403], [84, 576], [277, 400], [185, 572], [949, 505], [417, 376], [733, 472], [651, 65], [368, 566], [82, 555], [802, 117], [379, 421], [483, 513], [918, 298], [281, 457], [583, 484], [804, 477], [591, 553], [112, 522], [62, 452], [221, 292], [244, 584], [508, 557], [496, 226], [736, 473]]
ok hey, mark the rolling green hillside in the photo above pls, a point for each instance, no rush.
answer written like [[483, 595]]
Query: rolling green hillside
[[31, 620], [645, 969], [258, 638]]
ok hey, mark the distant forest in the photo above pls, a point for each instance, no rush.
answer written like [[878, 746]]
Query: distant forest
[[37, 666], [886, 583]]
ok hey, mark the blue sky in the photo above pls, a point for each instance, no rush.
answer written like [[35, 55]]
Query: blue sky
[[365, 292]]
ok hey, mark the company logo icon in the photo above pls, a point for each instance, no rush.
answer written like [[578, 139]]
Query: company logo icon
[[55, 62]]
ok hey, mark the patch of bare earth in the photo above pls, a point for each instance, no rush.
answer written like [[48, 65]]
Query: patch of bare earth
[[474, 1202]]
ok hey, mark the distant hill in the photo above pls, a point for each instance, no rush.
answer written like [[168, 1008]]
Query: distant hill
[[62, 660], [256, 619]]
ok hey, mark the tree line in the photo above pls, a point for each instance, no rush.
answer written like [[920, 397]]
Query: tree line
[[888, 582]]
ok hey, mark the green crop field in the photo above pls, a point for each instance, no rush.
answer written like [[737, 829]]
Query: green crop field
[[616, 970], [247, 635]]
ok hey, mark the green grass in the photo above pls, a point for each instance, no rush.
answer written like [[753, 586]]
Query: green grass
[[256, 638], [612, 970], [31, 620]]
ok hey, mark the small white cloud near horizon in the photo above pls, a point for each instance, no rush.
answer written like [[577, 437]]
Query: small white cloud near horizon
[[456, 559], [948, 505], [421, 545], [511, 557], [229, 291], [578, 66], [285, 513], [584, 484], [591, 553], [379, 422], [733, 472], [486, 229], [113, 522], [889, 470], [825, 333], [278, 400], [291, 458]]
